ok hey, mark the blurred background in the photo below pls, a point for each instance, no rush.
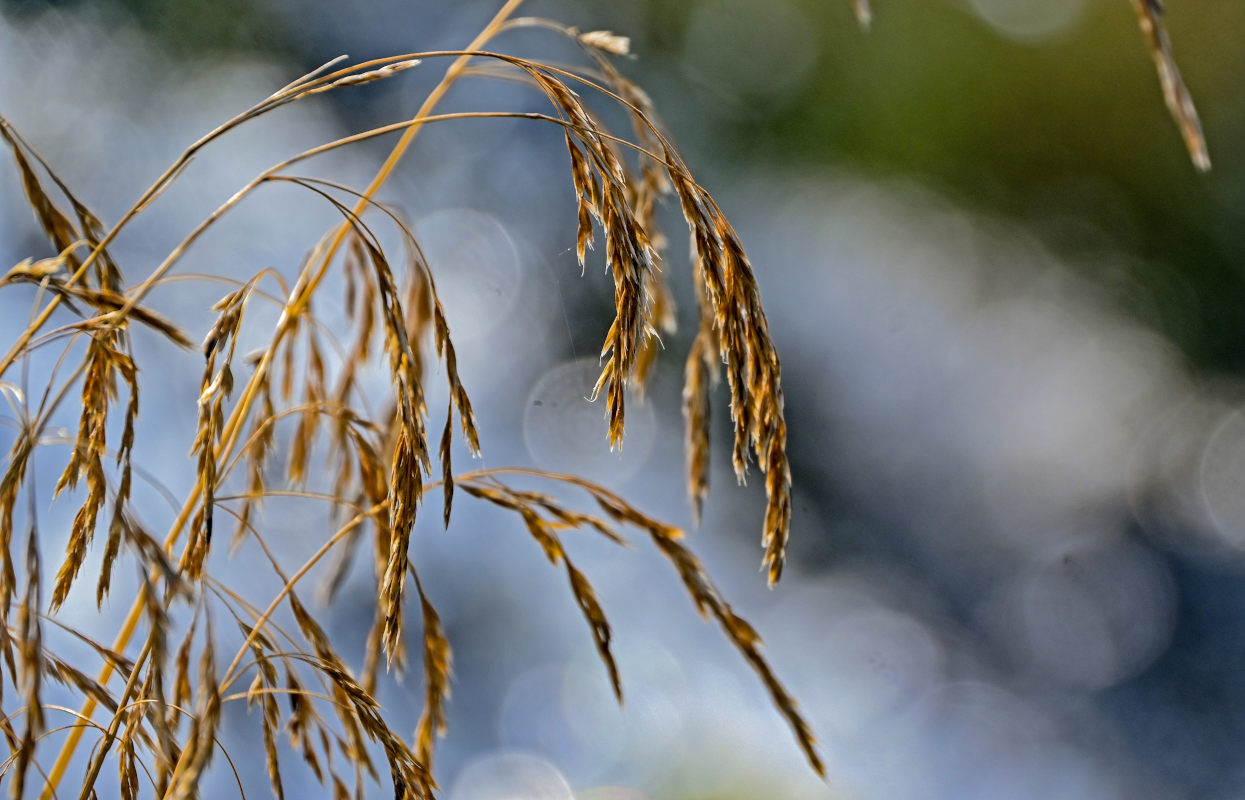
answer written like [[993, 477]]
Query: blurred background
[[1012, 322]]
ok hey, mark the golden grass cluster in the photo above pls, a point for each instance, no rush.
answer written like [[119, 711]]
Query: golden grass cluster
[[155, 707]]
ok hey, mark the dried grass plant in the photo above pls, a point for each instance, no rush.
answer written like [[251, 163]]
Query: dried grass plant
[[153, 708], [155, 705]]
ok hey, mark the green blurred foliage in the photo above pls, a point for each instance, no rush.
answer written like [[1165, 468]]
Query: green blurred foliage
[[1067, 134], [190, 28]]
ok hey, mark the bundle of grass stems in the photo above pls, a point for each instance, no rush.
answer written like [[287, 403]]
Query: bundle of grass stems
[[154, 706]]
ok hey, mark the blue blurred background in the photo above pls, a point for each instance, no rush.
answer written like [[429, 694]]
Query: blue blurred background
[[1012, 321]]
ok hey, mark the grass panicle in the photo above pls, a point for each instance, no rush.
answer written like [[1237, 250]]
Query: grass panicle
[[292, 420], [160, 726]]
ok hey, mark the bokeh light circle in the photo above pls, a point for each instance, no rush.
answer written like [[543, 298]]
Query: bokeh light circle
[[1091, 613], [877, 661], [510, 775], [476, 266], [566, 432], [1221, 474], [1029, 20]]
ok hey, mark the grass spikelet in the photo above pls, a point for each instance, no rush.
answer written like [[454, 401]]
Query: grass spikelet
[[60, 231], [157, 709], [587, 194], [447, 468], [313, 397], [31, 667], [10, 485], [710, 603], [181, 666], [404, 495], [55, 223], [128, 773], [458, 399], [262, 690], [458, 395], [437, 659], [420, 296], [303, 720], [258, 448], [97, 391], [629, 256], [119, 522], [112, 308], [357, 79], [1175, 93], [661, 316], [696, 384], [586, 597], [607, 41], [215, 387], [200, 744], [67, 675]]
